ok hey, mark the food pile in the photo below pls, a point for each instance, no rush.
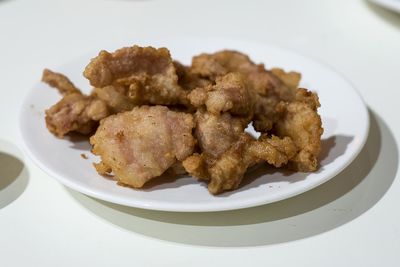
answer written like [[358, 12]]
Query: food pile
[[148, 115]]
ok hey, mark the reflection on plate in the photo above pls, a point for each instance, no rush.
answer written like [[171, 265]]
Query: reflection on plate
[[343, 113]]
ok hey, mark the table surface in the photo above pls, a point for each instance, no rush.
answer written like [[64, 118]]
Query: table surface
[[352, 220]]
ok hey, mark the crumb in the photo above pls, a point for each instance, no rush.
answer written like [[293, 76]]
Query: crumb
[[32, 106], [84, 156]]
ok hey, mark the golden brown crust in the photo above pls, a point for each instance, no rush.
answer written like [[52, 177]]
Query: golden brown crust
[[59, 81], [147, 73], [202, 131], [142, 144], [301, 122], [268, 88], [75, 113], [229, 94]]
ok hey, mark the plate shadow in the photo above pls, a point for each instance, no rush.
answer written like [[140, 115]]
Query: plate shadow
[[13, 174], [339, 201], [331, 148], [79, 142], [386, 14]]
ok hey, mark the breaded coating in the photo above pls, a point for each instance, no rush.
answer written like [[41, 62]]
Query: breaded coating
[[189, 80], [226, 172], [115, 97], [227, 151], [269, 88], [215, 134], [301, 122], [220, 63], [59, 81], [273, 150], [290, 79], [147, 73], [196, 165], [170, 119], [75, 112], [229, 94], [141, 144]]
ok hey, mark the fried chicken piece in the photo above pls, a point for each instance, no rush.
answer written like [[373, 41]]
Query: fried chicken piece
[[230, 93], [115, 97], [215, 134], [227, 151], [147, 73], [226, 172], [227, 89], [269, 87], [290, 79], [273, 150], [189, 80], [59, 81], [196, 165], [141, 144], [220, 63], [301, 122], [269, 106], [75, 112]]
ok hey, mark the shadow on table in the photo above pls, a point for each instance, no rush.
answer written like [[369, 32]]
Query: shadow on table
[[13, 174], [4, 1], [386, 14], [345, 197]]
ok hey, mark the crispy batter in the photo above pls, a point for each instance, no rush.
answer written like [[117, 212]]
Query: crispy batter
[[147, 73], [229, 94], [274, 150], [223, 62], [141, 144], [189, 80], [75, 112], [59, 81], [227, 170], [303, 125], [196, 165], [115, 98], [215, 134], [290, 79], [227, 151], [269, 87], [202, 131]]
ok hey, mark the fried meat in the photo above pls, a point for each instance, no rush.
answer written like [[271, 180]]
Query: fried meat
[[138, 145], [148, 74], [301, 122], [75, 112], [152, 115]]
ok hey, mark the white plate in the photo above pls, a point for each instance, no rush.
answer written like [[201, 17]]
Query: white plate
[[393, 5], [344, 116]]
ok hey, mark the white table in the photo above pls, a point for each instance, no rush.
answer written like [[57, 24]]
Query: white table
[[353, 220]]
